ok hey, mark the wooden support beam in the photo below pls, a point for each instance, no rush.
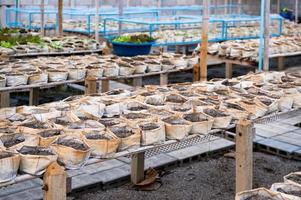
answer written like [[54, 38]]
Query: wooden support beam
[[60, 18], [137, 82], [55, 183], [204, 42], [228, 70], [164, 79], [5, 99], [97, 20], [42, 8], [278, 6], [266, 36], [196, 73], [105, 85], [280, 63], [297, 11], [137, 168], [244, 155], [178, 49], [90, 85], [34, 96]]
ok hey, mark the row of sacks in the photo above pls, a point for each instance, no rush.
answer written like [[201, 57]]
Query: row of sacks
[[44, 69], [147, 115], [290, 189]]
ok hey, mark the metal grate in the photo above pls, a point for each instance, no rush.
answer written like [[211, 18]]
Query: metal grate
[[278, 116]]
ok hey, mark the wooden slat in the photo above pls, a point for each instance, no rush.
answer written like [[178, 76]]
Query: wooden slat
[[4, 99], [137, 168], [163, 79], [229, 70], [34, 96]]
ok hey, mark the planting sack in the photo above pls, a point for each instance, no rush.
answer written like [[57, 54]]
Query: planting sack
[[155, 100], [35, 160], [152, 133], [201, 124], [94, 71], [233, 109], [129, 137], [167, 65], [113, 108], [103, 144], [179, 62], [55, 75], [253, 108], [285, 103], [111, 71], [9, 165], [221, 119], [270, 104], [293, 178], [118, 93], [153, 66], [16, 141], [125, 69], [108, 122], [140, 67], [77, 128], [89, 109], [175, 98], [48, 136], [160, 113], [179, 108], [32, 127], [37, 78], [76, 73], [44, 117], [13, 80], [72, 151], [260, 193], [176, 127], [288, 190], [6, 113]]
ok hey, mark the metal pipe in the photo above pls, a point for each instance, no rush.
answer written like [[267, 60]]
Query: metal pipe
[[260, 56]]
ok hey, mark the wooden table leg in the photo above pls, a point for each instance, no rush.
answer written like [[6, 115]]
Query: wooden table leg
[[34, 96], [280, 63], [105, 85], [137, 167], [229, 70], [244, 155], [55, 181], [137, 82], [5, 99], [164, 79], [90, 86]]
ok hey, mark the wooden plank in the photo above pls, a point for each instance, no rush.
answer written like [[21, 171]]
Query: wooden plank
[[5, 99], [229, 70], [34, 96], [164, 79], [90, 85], [244, 155], [283, 146], [55, 183], [137, 82], [105, 85], [137, 168]]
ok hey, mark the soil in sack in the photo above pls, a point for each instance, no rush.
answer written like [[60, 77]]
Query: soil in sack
[[35, 160], [234, 106], [214, 113], [4, 155], [49, 133], [175, 121], [295, 178], [96, 136], [137, 107], [293, 192], [148, 127], [12, 139], [136, 116], [265, 101], [195, 117], [122, 131], [172, 98], [109, 122], [74, 144], [258, 197]]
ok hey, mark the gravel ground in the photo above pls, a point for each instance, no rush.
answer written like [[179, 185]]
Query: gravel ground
[[209, 179]]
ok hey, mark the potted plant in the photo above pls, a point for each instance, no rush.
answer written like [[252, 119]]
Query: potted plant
[[287, 14], [132, 45]]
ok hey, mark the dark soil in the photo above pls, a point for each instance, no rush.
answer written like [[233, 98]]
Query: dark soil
[[194, 117], [293, 192], [160, 112], [75, 144], [109, 122], [147, 94], [229, 83], [115, 92], [266, 101], [234, 106], [180, 109], [35, 125], [212, 178], [96, 136], [175, 121], [49, 133], [137, 108], [6, 155], [214, 113], [148, 127], [122, 131], [286, 79], [175, 99], [135, 116], [40, 151], [258, 197], [296, 178], [12, 140]]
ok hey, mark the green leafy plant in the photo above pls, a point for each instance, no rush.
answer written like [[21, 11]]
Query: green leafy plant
[[56, 45], [6, 44], [136, 39]]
